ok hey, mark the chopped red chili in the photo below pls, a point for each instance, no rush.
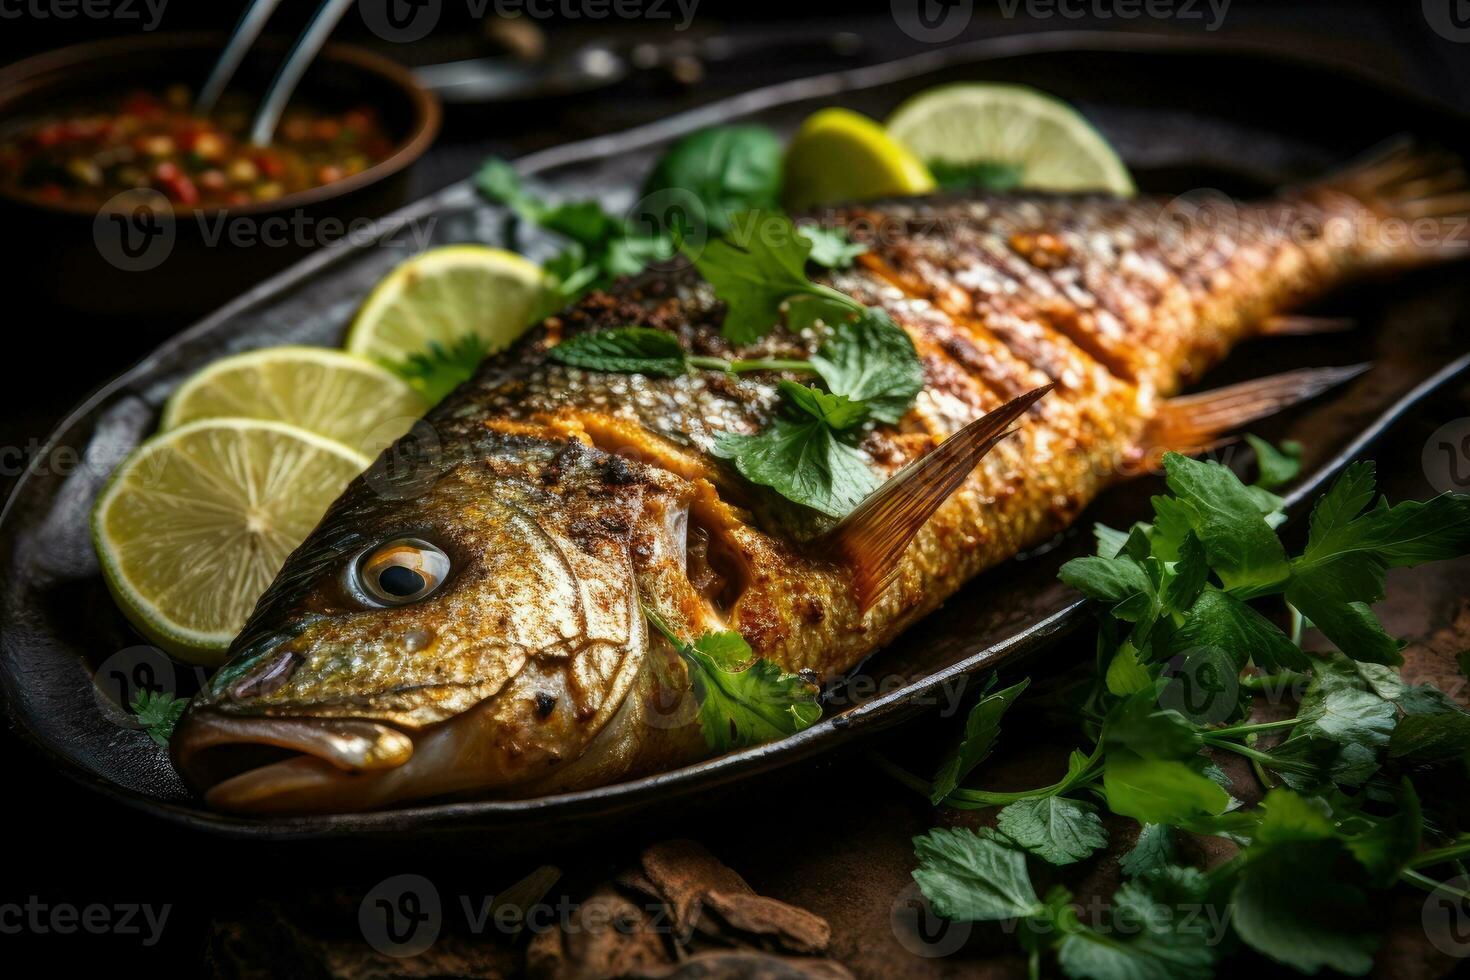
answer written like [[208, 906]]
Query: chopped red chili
[[88, 152]]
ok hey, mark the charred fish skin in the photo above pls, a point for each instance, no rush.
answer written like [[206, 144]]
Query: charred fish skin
[[564, 498]]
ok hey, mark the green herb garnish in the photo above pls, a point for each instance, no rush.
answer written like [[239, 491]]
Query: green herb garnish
[[758, 268], [437, 370], [1180, 635], [725, 169], [602, 247], [1276, 466], [158, 712], [808, 452], [741, 702]]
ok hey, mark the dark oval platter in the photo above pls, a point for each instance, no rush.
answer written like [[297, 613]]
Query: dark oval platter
[[1183, 114]]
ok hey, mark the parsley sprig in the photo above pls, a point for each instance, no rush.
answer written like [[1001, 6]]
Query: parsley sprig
[[742, 701], [1345, 816], [158, 712]]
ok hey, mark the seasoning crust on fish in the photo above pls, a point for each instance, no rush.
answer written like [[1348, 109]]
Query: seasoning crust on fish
[[541, 506]]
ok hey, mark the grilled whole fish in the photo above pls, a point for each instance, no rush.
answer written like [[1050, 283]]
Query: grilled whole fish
[[466, 620]]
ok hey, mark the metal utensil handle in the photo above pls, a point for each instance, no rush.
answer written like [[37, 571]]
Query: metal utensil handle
[[284, 84], [251, 23]]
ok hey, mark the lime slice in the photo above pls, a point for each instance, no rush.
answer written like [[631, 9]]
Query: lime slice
[[435, 300], [1048, 142], [345, 398], [194, 525], [840, 156]]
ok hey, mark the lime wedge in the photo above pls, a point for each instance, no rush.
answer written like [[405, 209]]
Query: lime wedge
[[345, 398], [840, 156], [435, 300], [197, 522], [1045, 142]]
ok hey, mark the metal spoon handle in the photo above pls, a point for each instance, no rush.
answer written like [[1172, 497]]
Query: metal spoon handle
[[251, 23], [284, 84]]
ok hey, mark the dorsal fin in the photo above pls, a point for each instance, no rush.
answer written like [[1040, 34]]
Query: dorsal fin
[[875, 535]]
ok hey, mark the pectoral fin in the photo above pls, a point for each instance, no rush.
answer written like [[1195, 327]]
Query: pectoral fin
[[876, 534]]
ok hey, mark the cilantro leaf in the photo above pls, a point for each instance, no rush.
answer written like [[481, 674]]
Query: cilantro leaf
[[1153, 849], [1125, 674], [1276, 467], [1218, 620], [1242, 548], [158, 712], [982, 726], [1349, 552], [1110, 541], [1297, 900], [1110, 580], [872, 360], [1159, 790], [1153, 932], [1386, 847], [1341, 705], [1188, 575], [741, 703], [838, 411], [627, 349], [831, 248], [803, 455], [759, 266], [1054, 828], [1434, 729], [601, 247], [438, 369], [974, 876]]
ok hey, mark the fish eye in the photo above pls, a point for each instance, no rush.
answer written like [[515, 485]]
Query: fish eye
[[402, 571]]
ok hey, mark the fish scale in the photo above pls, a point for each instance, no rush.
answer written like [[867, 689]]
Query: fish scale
[[618, 500]]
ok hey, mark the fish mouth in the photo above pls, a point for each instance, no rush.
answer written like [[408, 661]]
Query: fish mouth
[[280, 765]]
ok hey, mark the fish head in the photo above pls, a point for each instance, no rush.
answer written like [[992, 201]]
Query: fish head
[[477, 634]]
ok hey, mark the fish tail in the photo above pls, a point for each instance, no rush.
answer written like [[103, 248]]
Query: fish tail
[[1194, 423], [1418, 200]]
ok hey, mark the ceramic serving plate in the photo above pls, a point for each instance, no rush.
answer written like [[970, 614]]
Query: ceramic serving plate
[[1183, 115]]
